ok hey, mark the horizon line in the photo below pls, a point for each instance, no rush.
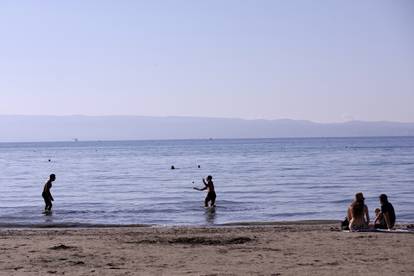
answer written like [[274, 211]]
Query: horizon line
[[209, 117], [202, 139]]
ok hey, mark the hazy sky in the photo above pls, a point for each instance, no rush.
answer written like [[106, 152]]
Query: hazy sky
[[325, 61]]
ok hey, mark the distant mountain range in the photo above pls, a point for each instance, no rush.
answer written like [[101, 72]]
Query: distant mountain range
[[67, 128]]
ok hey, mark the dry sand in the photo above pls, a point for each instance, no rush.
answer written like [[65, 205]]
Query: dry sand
[[279, 249]]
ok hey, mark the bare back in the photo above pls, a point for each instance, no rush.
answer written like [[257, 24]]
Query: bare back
[[210, 186], [358, 221]]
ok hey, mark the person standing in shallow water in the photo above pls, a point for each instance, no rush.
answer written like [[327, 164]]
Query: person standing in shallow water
[[47, 196], [211, 193]]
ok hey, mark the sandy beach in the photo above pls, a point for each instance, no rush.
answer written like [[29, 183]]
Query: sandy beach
[[302, 248]]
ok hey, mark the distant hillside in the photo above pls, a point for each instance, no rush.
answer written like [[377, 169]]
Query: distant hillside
[[65, 128]]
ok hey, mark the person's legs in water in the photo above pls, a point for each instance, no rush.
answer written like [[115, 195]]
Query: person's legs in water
[[48, 203], [213, 199], [206, 200]]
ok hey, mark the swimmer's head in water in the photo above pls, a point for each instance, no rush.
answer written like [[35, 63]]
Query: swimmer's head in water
[[209, 177], [52, 177]]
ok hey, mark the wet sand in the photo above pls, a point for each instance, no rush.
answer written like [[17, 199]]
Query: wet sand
[[300, 248]]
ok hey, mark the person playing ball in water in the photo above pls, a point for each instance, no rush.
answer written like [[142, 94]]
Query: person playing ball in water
[[47, 196], [211, 194]]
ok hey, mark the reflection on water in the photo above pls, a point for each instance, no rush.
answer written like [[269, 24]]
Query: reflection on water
[[210, 214], [48, 216]]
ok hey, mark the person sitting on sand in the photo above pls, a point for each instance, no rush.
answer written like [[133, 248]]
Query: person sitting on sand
[[47, 196], [211, 194], [378, 217], [358, 214], [388, 213]]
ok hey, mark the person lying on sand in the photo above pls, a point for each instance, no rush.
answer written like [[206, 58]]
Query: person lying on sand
[[358, 214], [211, 194], [47, 196]]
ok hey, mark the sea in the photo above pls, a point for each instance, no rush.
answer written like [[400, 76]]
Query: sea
[[112, 183]]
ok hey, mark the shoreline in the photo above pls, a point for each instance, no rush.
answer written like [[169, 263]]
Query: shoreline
[[334, 223], [68, 226], [105, 226]]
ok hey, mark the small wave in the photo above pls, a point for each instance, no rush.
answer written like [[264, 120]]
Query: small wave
[[341, 201], [311, 187], [79, 212], [69, 225], [293, 214]]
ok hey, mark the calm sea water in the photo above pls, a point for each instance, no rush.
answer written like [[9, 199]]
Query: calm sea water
[[130, 182]]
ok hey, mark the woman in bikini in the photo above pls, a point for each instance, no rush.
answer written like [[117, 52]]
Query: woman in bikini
[[358, 214]]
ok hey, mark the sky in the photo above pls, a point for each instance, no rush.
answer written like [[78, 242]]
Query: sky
[[324, 61]]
